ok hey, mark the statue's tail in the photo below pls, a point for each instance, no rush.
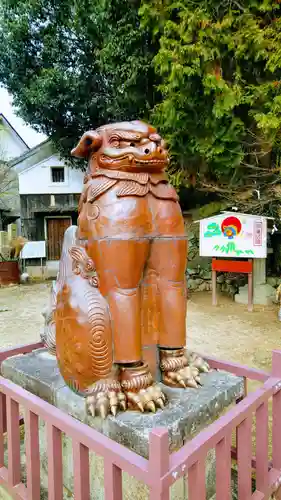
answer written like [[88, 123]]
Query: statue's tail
[[83, 335], [48, 336]]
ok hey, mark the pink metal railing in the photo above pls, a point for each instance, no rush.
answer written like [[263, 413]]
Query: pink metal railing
[[162, 469]]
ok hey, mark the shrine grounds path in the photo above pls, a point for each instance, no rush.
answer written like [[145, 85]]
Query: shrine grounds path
[[227, 331]]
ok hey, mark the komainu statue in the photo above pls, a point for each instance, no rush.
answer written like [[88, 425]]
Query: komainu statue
[[121, 280]]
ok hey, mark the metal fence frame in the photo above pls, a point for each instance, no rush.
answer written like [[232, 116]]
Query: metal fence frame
[[163, 468]]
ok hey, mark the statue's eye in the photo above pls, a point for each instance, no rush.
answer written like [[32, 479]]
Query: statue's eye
[[132, 145]]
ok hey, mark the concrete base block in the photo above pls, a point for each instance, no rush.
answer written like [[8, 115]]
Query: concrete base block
[[37, 272], [264, 295], [52, 268], [187, 413]]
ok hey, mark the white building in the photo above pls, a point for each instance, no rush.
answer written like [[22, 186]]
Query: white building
[[11, 146], [49, 192], [11, 143]]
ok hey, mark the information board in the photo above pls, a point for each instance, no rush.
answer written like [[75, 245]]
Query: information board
[[34, 250], [234, 235]]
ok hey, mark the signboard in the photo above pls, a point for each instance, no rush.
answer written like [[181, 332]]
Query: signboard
[[234, 235], [34, 250]]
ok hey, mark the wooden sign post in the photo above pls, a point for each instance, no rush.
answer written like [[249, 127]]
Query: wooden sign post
[[233, 266], [233, 240]]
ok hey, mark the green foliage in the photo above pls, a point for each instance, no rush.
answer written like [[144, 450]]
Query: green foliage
[[211, 209], [207, 72], [75, 65], [220, 68]]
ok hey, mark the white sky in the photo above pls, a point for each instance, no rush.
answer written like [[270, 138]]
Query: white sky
[[30, 136]]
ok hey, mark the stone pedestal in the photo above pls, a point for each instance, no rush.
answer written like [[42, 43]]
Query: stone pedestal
[[186, 414], [264, 294]]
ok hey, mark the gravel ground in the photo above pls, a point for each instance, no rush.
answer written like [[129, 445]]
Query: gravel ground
[[22, 321], [227, 331]]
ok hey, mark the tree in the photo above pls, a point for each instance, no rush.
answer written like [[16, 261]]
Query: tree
[[207, 72], [74, 65], [220, 68]]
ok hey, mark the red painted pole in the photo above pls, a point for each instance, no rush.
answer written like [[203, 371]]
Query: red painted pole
[[214, 286]]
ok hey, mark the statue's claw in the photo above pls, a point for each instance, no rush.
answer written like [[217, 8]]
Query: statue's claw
[[147, 399], [106, 398], [141, 391], [186, 377], [196, 361], [180, 369]]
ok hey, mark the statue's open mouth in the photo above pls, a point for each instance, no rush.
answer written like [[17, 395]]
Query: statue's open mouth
[[131, 161], [151, 161]]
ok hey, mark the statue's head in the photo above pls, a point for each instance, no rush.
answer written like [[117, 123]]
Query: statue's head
[[127, 146]]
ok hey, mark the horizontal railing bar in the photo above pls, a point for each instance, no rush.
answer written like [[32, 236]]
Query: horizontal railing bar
[[20, 349], [125, 459], [18, 492], [209, 437], [237, 369], [254, 462]]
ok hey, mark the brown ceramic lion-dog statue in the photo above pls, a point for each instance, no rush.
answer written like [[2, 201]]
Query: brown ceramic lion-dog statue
[[122, 275]]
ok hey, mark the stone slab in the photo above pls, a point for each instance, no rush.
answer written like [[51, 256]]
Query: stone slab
[[37, 372], [187, 412], [263, 295]]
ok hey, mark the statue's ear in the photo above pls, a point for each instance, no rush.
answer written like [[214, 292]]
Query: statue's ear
[[90, 142]]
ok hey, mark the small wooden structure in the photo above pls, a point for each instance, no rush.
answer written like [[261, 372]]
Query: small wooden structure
[[233, 240], [233, 266], [9, 272]]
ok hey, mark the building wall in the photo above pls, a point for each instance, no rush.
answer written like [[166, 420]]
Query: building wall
[[34, 209], [10, 145], [38, 179]]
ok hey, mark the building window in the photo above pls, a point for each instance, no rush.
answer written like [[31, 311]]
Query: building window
[[57, 174]]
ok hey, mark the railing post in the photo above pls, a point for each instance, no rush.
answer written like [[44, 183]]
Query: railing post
[[81, 471], [159, 462], [223, 469], [262, 447], [32, 455], [244, 459], [55, 479], [3, 426], [196, 478], [14, 464], [276, 412]]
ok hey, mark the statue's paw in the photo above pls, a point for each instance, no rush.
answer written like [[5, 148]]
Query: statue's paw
[[142, 393], [184, 377], [197, 362], [180, 369], [147, 399], [105, 398]]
